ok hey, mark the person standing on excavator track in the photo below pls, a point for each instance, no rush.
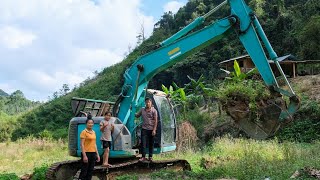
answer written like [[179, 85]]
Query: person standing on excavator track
[[106, 128], [89, 151], [149, 128]]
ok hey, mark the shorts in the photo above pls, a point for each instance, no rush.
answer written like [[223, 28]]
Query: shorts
[[106, 144]]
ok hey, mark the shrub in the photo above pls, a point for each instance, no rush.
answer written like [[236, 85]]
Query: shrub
[[45, 134], [9, 176], [125, 177], [306, 126], [8, 124], [61, 133], [249, 90], [39, 173]]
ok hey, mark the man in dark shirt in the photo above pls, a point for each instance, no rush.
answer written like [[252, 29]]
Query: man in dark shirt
[[149, 127]]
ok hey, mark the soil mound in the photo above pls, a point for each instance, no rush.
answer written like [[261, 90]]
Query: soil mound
[[187, 136]]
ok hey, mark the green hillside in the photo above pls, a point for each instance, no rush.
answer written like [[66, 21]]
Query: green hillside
[[11, 107], [292, 26], [16, 103]]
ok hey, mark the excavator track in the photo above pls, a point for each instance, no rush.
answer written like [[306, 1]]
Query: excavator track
[[63, 170], [70, 169]]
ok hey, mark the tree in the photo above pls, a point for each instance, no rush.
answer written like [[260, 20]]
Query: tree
[[258, 7], [17, 95], [141, 36], [55, 95], [2, 102], [65, 88], [166, 22], [309, 39]]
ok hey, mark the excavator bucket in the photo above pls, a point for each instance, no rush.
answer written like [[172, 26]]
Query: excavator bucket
[[263, 126], [259, 124]]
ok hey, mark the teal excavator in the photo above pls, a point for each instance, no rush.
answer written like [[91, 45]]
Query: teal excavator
[[124, 152]]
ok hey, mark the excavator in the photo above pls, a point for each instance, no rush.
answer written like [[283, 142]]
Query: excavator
[[124, 151]]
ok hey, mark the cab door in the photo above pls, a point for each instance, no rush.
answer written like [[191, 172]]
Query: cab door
[[165, 140]]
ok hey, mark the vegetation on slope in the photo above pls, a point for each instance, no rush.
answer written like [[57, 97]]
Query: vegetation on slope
[[16, 103], [11, 106], [2, 93]]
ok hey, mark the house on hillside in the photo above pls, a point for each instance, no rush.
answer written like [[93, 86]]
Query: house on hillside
[[289, 64]]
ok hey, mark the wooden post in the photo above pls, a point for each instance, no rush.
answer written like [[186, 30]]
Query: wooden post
[[294, 70]]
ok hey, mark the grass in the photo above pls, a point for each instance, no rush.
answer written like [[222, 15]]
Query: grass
[[22, 156], [244, 159], [223, 158]]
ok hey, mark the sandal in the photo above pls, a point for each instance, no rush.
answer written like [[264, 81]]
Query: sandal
[[107, 165]]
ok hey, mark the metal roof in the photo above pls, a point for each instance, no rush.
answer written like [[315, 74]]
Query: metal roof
[[236, 58], [288, 58]]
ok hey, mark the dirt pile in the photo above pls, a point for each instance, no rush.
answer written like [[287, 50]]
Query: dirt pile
[[307, 172], [26, 177], [308, 85], [219, 128], [187, 136]]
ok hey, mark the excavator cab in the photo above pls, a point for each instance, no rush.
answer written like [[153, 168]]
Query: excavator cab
[[165, 139]]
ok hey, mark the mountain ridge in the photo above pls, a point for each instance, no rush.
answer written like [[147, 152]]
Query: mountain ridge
[[3, 93]]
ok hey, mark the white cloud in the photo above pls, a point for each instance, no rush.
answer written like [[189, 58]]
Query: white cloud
[[44, 44], [13, 38], [45, 81], [173, 6], [7, 87], [97, 57]]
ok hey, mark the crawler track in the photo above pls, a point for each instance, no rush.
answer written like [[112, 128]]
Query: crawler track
[[68, 169]]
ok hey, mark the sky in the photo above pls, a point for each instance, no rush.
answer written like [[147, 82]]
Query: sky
[[47, 43]]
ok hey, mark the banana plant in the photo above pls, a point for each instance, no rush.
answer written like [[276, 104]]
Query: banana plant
[[178, 96], [176, 93], [198, 87], [237, 75]]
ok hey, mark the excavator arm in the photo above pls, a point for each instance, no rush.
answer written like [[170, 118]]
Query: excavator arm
[[176, 48], [140, 73]]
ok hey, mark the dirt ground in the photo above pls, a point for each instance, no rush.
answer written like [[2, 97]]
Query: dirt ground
[[307, 85]]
